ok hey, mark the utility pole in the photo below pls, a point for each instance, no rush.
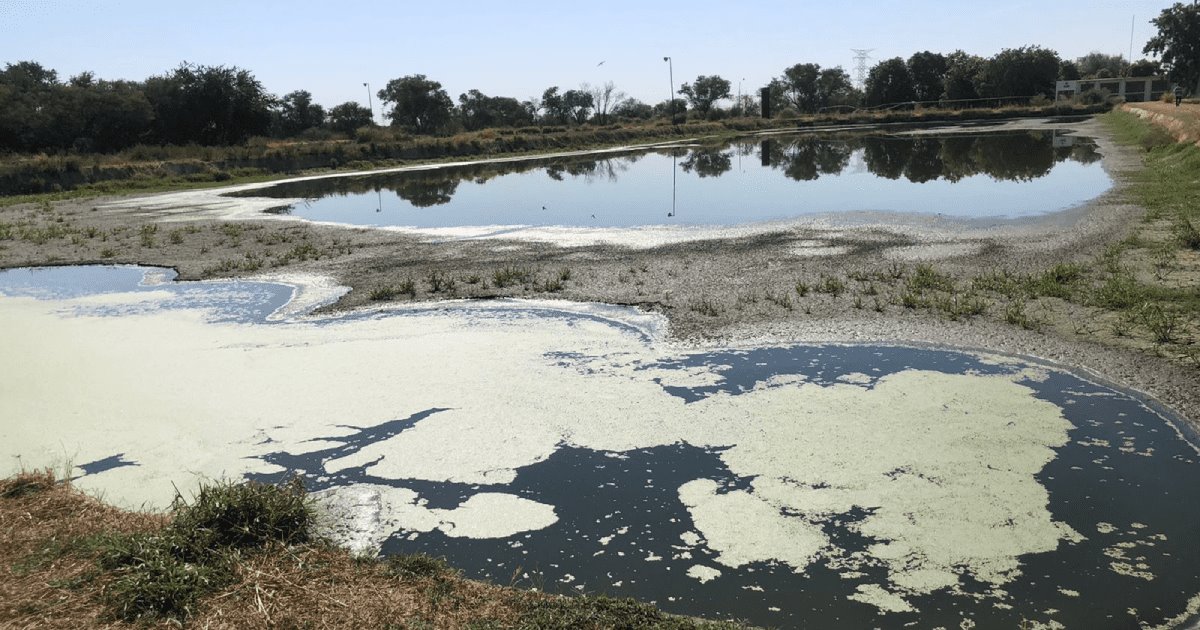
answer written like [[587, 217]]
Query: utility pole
[[671, 96], [370, 103]]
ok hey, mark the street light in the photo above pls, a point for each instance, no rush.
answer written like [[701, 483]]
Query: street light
[[671, 94], [370, 104], [741, 106]]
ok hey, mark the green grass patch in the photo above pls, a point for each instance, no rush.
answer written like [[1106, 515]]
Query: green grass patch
[[926, 278], [161, 575]]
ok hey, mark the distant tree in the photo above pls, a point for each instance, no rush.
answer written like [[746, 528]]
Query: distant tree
[[834, 87], [419, 104], [554, 108], [962, 74], [211, 105], [479, 111], [577, 105], [348, 116], [107, 115], [25, 87], [705, 91], [297, 112], [807, 87], [1145, 68], [889, 82], [633, 109], [1068, 71], [675, 106], [1098, 65], [1025, 72], [928, 72], [604, 98], [1177, 44], [798, 86]]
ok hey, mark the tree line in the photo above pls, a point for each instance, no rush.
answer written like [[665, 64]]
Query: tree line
[[220, 105]]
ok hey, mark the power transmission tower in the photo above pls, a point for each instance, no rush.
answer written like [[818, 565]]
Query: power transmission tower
[[861, 57]]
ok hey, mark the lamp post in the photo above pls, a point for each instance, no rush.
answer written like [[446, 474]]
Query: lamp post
[[671, 94], [370, 103], [741, 106]]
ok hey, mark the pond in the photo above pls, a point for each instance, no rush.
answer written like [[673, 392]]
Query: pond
[[775, 178], [568, 447]]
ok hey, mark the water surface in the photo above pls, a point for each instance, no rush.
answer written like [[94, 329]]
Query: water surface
[[1122, 485], [986, 175]]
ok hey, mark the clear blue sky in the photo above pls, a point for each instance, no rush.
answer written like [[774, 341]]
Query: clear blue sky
[[517, 48]]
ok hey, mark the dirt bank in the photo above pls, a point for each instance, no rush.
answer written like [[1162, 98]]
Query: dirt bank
[[1183, 122], [869, 278]]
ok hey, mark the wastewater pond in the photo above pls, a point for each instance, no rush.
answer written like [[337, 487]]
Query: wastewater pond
[[569, 450], [991, 176]]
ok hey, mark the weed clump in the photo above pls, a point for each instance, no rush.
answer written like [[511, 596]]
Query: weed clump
[[925, 277], [511, 275], [26, 484], [416, 566], [162, 574]]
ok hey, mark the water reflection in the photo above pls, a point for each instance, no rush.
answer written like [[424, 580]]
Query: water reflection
[[1009, 175]]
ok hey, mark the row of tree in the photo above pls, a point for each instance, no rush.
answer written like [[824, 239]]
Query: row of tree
[[218, 105]]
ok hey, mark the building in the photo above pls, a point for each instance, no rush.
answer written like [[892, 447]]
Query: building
[[1132, 89]]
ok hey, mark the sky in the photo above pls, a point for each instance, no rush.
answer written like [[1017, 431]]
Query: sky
[[518, 48]]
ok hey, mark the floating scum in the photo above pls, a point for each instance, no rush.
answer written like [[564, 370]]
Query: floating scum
[[944, 468]]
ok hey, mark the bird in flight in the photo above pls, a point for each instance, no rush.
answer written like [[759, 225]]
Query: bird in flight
[[601, 63]]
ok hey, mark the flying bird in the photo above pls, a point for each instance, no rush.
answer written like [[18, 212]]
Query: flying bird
[[601, 63]]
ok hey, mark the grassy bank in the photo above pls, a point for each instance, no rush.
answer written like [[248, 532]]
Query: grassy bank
[[25, 178], [243, 555]]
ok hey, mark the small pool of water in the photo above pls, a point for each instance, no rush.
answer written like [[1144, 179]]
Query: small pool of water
[[792, 486], [986, 175]]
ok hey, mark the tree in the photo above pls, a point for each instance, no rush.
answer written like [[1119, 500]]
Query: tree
[[604, 98], [1145, 68], [633, 109], [479, 111], [834, 87], [553, 106], [807, 87], [419, 104], [1098, 65], [349, 116], [668, 109], [211, 105], [962, 73], [1068, 71], [889, 82], [24, 87], [1177, 44], [297, 112], [705, 91], [577, 105], [798, 86], [1024, 72], [928, 72]]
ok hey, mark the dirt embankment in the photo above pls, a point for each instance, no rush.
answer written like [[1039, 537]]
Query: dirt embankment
[[1182, 122]]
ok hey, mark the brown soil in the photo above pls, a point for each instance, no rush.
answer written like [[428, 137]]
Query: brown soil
[[732, 291]]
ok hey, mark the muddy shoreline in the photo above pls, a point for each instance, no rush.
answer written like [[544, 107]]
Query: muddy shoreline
[[731, 288]]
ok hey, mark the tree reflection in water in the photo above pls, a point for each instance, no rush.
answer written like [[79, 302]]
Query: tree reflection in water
[[1022, 156]]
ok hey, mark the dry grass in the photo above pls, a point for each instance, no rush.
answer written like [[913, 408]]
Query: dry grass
[[52, 537]]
